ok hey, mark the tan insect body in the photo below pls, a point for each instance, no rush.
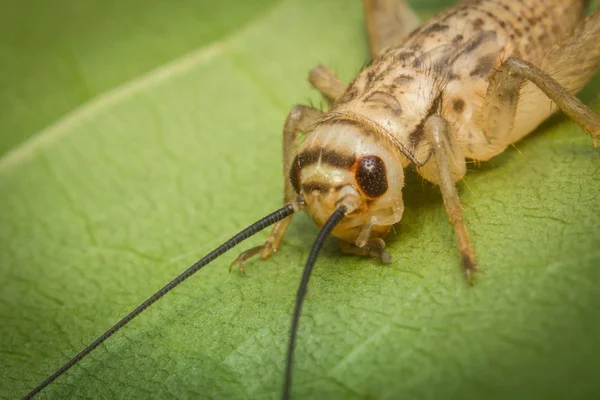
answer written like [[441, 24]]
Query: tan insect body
[[466, 84]]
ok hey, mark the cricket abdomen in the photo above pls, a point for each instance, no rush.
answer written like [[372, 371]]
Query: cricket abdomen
[[444, 66], [527, 28]]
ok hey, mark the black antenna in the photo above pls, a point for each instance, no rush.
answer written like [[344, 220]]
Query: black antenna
[[331, 223], [243, 235]]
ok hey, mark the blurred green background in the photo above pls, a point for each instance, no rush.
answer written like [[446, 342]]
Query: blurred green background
[[135, 138]]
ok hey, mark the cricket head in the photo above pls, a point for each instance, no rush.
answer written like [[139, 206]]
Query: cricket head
[[342, 163]]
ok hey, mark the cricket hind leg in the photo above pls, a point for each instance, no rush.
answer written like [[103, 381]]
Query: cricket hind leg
[[521, 95], [503, 98], [388, 23], [449, 164], [300, 119]]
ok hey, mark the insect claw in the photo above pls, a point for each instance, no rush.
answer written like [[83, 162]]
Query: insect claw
[[469, 270], [240, 265], [239, 260], [470, 266], [469, 277]]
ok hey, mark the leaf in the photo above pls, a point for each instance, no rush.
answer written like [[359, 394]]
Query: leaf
[[111, 201], [57, 55]]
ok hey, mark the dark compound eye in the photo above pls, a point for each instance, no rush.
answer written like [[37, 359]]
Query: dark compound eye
[[371, 176]]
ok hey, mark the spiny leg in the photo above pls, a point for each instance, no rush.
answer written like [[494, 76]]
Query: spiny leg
[[503, 97], [438, 135], [325, 81], [388, 23], [300, 119], [574, 61], [510, 102]]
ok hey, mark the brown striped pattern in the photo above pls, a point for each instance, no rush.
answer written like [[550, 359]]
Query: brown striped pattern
[[329, 157]]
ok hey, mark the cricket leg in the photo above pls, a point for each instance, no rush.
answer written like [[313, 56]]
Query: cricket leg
[[503, 98], [521, 95], [388, 23], [443, 146], [298, 120], [325, 81]]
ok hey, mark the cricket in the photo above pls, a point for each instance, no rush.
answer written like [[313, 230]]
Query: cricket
[[464, 85]]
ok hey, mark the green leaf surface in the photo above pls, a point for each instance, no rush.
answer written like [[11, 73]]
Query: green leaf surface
[[177, 145], [56, 55]]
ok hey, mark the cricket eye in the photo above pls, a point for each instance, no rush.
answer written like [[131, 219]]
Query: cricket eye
[[371, 176]]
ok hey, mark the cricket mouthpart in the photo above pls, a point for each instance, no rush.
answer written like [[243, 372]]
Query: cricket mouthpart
[[321, 204]]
